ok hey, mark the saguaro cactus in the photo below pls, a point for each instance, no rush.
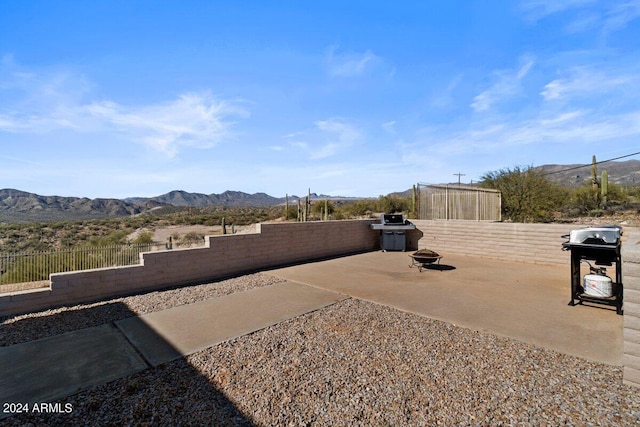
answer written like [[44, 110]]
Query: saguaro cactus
[[595, 185], [413, 202], [604, 188], [224, 227]]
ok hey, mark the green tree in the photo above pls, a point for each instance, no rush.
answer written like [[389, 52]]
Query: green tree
[[527, 195]]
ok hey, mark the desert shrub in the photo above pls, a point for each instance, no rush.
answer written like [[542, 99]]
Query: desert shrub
[[338, 215], [359, 208], [118, 237], [392, 204], [527, 195], [587, 199], [318, 207], [143, 238], [191, 238], [292, 212]]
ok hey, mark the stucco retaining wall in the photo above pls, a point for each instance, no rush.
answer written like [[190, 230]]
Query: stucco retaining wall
[[531, 243], [223, 256], [631, 281]]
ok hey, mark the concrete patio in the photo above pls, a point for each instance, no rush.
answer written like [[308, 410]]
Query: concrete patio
[[526, 302]]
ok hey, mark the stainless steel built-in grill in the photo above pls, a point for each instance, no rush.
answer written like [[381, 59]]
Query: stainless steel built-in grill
[[393, 228], [600, 245]]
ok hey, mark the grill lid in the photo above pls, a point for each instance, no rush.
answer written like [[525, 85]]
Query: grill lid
[[604, 235], [392, 219]]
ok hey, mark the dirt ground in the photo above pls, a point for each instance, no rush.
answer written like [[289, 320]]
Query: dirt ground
[[624, 218], [178, 232]]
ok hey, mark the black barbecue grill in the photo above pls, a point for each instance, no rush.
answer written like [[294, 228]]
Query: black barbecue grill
[[601, 245], [393, 228]]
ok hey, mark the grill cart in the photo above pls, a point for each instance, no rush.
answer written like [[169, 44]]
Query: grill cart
[[393, 228], [600, 245]]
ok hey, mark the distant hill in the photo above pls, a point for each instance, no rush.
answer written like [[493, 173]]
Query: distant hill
[[19, 206], [228, 198], [623, 173]]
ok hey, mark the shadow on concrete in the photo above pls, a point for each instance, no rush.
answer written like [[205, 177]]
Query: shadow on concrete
[[413, 238], [439, 267], [66, 376]]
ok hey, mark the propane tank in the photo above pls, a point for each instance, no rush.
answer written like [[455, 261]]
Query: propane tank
[[598, 285]]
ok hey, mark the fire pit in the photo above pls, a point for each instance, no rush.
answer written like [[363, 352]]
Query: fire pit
[[393, 229], [602, 246], [423, 258]]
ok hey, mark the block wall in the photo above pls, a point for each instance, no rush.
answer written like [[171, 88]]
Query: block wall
[[531, 243], [222, 256], [631, 281]]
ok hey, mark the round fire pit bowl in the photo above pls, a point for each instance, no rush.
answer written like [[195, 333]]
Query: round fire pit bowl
[[423, 258]]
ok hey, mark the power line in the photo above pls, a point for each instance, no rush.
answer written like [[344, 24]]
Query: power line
[[589, 164]]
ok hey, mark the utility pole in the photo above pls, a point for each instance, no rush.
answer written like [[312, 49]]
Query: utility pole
[[459, 175]]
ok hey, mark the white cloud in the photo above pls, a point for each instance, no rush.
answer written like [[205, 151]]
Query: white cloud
[[585, 21], [562, 118], [300, 144], [621, 14], [578, 128], [507, 85], [584, 82], [338, 135], [444, 97], [585, 15], [327, 150], [193, 119], [45, 101], [328, 138], [350, 64], [389, 127], [39, 102], [535, 10]]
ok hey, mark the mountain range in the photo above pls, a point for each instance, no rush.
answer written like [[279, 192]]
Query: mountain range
[[21, 206], [228, 198]]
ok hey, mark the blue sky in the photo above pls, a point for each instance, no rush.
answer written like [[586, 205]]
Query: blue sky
[[111, 98]]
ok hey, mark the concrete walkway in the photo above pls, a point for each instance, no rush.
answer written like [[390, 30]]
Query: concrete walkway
[[167, 335], [52, 368], [526, 302]]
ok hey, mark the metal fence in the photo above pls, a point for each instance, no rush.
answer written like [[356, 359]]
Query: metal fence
[[36, 266], [459, 202]]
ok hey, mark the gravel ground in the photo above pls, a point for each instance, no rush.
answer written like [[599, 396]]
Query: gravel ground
[[28, 327], [354, 364]]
